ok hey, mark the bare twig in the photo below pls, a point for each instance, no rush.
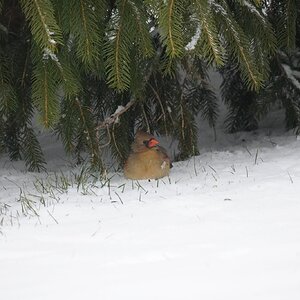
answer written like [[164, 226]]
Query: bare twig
[[109, 138], [52, 216], [115, 142], [119, 197], [291, 179], [145, 117], [256, 156], [161, 105], [112, 118]]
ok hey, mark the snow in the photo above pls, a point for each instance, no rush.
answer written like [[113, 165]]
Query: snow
[[224, 225], [50, 33], [254, 10], [119, 108], [192, 44], [291, 75], [117, 111], [49, 53]]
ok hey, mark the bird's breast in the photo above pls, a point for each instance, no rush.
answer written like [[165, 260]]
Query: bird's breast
[[146, 165]]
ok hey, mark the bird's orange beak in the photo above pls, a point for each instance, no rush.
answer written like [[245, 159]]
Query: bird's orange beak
[[152, 143]]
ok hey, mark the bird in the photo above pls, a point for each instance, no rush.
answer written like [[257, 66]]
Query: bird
[[147, 160]]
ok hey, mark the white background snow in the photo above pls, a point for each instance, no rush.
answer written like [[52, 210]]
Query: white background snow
[[224, 225]]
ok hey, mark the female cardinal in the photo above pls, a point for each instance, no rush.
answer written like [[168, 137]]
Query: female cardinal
[[147, 159]]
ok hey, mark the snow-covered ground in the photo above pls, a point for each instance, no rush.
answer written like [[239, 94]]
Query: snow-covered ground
[[224, 225]]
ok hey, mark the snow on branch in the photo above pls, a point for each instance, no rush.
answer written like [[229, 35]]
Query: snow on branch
[[49, 53], [291, 75], [113, 118]]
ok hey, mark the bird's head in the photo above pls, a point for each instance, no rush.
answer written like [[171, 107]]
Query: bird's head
[[143, 141], [151, 143]]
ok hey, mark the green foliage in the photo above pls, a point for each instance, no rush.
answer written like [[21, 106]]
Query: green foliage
[[239, 47], [75, 63], [261, 33], [77, 130], [127, 28], [120, 140], [67, 125], [142, 38], [82, 24], [86, 135], [201, 95], [44, 91], [187, 133], [43, 25], [16, 109], [241, 103], [282, 88], [173, 108], [8, 101], [287, 24], [171, 26], [31, 150], [209, 44], [117, 48]]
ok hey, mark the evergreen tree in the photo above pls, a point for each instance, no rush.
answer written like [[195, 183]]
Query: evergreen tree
[[94, 70], [283, 84]]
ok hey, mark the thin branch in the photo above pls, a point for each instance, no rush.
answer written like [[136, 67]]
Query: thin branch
[[115, 142], [170, 14], [109, 138], [145, 117], [112, 118]]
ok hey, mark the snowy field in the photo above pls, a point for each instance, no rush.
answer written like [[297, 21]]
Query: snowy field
[[224, 225]]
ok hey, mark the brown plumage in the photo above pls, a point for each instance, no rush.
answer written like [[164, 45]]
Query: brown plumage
[[147, 160]]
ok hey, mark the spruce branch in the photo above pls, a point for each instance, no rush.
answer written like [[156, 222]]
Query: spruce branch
[[68, 74], [258, 27], [117, 48], [127, 29], [242, 105], [171, 32], [44, 92], [142, 37], [287, 25], [186, 131], [115, 116], [157, 96], [121, 110], [85, 29], [8, 98], [209, 45], [32, 151], [100, 51], [83, 137], [44, 28], [68, 125], [292, 76], [84, 21], [87, 130], [170, 23], [239, 46]]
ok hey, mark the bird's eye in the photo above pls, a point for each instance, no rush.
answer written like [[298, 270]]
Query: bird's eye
[[146, 143]]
